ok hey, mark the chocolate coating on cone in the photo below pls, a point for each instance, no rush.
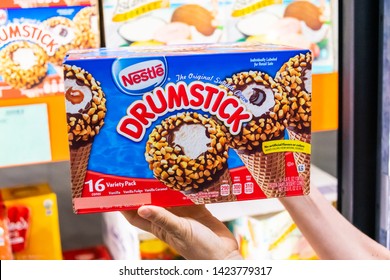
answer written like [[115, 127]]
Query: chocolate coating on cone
[[179, 171], [268, 126]]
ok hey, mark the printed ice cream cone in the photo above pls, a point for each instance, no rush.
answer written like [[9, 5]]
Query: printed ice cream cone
[[267, 101], [188, 153], [268, 170], [78, 165], [295, 77], [86, 109]]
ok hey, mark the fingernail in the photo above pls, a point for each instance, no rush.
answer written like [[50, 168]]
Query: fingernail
[[144, 212]]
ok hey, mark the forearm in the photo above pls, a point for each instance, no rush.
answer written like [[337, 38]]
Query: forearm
[[328, 232]]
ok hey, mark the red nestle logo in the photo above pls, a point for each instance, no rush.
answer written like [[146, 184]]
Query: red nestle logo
[[143, 75]]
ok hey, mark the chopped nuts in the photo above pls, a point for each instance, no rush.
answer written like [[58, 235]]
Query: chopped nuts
[[263, 128], [180, 172], [87, 123], [292, 77]]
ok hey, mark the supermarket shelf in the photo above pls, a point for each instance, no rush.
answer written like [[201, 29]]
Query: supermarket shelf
[[326, 183]]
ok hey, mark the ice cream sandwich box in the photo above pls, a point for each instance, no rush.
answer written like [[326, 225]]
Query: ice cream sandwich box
[[34, 38], [187, 124], [33, 222]]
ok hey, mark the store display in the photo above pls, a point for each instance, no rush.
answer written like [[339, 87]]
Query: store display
[[33, 222], [162, 22], [98, 252], [303, 24], [34, 39], [133, 114]]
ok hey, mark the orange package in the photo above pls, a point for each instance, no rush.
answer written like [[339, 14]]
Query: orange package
[[33, 222]]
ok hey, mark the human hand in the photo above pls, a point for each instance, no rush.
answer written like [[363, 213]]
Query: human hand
[[192, 231]]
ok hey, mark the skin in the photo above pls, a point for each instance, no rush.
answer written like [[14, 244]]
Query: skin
[[328, 232], [195, 234], [192, 231]]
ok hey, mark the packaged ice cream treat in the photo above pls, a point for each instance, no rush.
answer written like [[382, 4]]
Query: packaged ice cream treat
[[34, 38], [187, 124]]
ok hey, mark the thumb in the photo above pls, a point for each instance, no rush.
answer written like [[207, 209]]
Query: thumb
[[161, 219]]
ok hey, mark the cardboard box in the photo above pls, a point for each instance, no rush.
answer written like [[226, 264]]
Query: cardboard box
[[34, 40], [33, 222], [163, 22], [310, 24], [184, 125]]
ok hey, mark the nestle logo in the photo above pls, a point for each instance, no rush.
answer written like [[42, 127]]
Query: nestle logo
[[140, 77], [143, 75]]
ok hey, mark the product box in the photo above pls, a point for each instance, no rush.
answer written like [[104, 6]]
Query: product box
[[33, 222], [308, 24], [184, 125], [162, 22], [98, 252], [34, 38]]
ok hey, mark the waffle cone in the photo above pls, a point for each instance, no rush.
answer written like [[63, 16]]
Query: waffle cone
[[268, 170], [208, 194], [78, 163], [302, 158]]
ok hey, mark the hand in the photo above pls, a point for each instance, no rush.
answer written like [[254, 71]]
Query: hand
[[192, 231]]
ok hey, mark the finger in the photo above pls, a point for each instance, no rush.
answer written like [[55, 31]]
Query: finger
[[162, 219], [133, 218]]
